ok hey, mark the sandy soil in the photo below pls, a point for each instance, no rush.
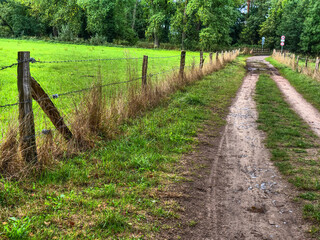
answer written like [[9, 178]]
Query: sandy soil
[[243, 196]]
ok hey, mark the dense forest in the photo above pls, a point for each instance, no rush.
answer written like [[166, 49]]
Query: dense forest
[[189, 24]]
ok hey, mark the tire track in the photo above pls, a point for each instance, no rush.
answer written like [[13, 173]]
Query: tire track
[[246, 196]]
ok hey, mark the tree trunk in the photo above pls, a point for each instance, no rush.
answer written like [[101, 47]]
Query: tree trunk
[[134, 15]]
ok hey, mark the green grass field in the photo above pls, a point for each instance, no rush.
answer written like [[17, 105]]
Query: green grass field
[[120, 190], [58, 78]]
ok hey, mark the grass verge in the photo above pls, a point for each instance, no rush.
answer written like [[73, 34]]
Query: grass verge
[[293, 146], [308, 87], [119, 190]]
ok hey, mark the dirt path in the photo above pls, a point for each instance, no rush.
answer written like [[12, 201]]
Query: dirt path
[[244, 196], [306, 111], [247, 197]]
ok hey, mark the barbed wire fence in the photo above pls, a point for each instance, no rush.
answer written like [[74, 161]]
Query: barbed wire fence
[[49, 114]]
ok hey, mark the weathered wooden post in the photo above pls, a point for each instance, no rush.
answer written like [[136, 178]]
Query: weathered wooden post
[[297, 66], [293, 61], [217, 57], [210, 56], [317, 64], [306, 63], [144, 71], [27, 143], [182, 64], [201, 59]]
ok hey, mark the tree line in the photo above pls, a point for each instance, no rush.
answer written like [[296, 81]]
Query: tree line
[[297, 20], [190, 24]]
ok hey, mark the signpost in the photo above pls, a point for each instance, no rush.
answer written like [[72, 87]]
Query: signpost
[[283, 39], [263, 41]]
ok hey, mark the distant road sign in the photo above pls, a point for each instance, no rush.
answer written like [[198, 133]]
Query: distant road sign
[[282, 43], [283, 37], [282, 40]]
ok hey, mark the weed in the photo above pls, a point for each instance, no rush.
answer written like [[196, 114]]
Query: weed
[[17, 229]]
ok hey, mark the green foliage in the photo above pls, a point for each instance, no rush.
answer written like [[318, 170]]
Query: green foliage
[[310, 38], [258, 15], [16, 20], [17, 229]]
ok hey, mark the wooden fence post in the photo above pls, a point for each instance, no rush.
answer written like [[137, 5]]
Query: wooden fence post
[[298, 62], [217, 57], [201, 59], [27, 143], [317, 64], [144, 71], [182, 64], [210, 56], [306, 64]]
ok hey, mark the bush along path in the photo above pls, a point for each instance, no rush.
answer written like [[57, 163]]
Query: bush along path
[[120, 190], [245, 196]]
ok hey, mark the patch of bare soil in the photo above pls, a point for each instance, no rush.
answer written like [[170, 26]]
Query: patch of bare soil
[[243, 195]]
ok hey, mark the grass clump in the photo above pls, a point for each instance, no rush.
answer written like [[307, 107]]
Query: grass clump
[[293, 145]]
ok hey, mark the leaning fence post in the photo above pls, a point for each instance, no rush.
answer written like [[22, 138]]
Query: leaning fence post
[[182, 64], [317, 64], [210, 56], [144, 71], [27, 143], [201, 59]]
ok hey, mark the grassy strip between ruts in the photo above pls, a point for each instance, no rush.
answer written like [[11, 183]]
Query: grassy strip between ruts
[[118, 191], [305, 85], [293, 146]]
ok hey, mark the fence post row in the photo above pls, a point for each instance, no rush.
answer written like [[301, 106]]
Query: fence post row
[[27, 141], [182, 64], [144, 71]]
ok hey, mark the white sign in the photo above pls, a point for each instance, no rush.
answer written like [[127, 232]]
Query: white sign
[[282, 40]]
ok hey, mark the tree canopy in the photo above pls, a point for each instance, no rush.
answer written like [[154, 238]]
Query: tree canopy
[[191, 24]]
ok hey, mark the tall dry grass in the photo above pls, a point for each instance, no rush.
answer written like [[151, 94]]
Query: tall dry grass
[[291, 60], [99, 117]]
